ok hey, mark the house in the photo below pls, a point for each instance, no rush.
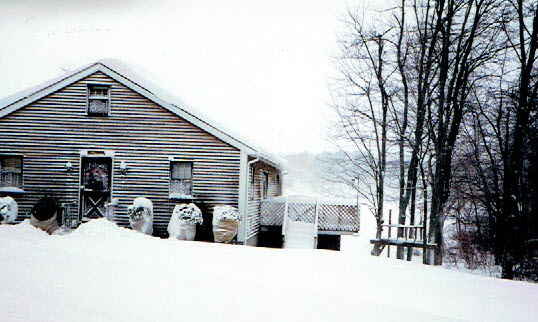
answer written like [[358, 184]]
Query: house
[[103, 135]]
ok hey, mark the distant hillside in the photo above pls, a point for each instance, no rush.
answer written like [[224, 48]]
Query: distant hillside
[[305, 177]]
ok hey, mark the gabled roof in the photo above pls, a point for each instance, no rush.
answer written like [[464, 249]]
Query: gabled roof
[[131, 77]]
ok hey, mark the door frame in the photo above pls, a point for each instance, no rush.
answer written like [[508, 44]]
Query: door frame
[[95, 154]]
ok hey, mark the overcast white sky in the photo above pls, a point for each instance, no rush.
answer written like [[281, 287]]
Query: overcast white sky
[[258, 67]]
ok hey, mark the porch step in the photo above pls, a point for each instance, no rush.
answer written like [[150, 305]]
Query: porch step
[[300, 235]]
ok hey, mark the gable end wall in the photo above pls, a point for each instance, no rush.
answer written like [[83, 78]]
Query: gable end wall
[[53, 130]]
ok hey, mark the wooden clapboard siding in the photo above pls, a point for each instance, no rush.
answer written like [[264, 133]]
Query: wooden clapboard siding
[[53, 130], [253, 212]]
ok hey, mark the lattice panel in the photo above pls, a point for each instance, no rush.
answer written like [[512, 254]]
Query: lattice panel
[[302, 212], [272, 213], [338, 218], [332, 217]]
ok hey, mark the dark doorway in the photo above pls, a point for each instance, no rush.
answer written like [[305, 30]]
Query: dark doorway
[[331, 242]]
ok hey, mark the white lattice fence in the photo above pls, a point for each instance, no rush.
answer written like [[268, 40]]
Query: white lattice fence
[[272, 213], [302, 212], [332, 216], [338, 218]]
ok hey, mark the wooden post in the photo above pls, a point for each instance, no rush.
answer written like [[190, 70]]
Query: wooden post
[[316, 221], [285, 222], [390, 223], [424, 255]]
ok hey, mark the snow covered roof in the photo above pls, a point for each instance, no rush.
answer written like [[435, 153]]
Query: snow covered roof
[[133, 77]]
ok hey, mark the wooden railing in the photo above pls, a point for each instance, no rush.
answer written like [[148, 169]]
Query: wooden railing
[[70, 217], [332, 216], [411, 236]]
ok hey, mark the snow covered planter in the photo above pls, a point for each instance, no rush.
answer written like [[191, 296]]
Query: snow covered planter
[[8, 210], [43, 214], [225, 223], [183, 222], [141, 215]]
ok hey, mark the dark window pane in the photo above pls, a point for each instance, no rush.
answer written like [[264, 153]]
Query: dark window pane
[[98, 91], [12, 164], [181, 170], [96, 174], [11, 171], [265, 184]]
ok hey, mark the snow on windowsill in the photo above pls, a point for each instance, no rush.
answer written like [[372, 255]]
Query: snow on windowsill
[[11, 190], [180, 196]]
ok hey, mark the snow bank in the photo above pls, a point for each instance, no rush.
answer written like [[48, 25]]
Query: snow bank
[[102, 272], [23, 229], [102, 229]]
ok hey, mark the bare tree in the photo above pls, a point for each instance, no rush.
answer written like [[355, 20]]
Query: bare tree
[[361, 100], [407, 85], [522, 33]]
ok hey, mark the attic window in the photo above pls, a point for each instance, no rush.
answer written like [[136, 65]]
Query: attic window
[[98, 100]]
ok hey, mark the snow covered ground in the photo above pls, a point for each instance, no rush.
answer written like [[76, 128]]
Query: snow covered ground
[[102, 272]]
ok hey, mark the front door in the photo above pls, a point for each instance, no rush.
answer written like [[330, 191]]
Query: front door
[[96, 185]]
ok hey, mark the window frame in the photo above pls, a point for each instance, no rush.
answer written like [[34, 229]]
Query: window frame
[[172, 179], [91, 86], [4, 156]]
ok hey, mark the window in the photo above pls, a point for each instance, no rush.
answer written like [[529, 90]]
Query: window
[[180, 179], [265, 184], [98, 100], [278, 185], [10, 171]]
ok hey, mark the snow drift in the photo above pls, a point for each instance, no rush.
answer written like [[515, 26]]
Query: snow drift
[[102, 272]]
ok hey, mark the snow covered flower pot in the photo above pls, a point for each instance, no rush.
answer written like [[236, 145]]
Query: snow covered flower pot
[[141, 215], [43, 214], [183, 222], [225, 223], [9, 210]]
